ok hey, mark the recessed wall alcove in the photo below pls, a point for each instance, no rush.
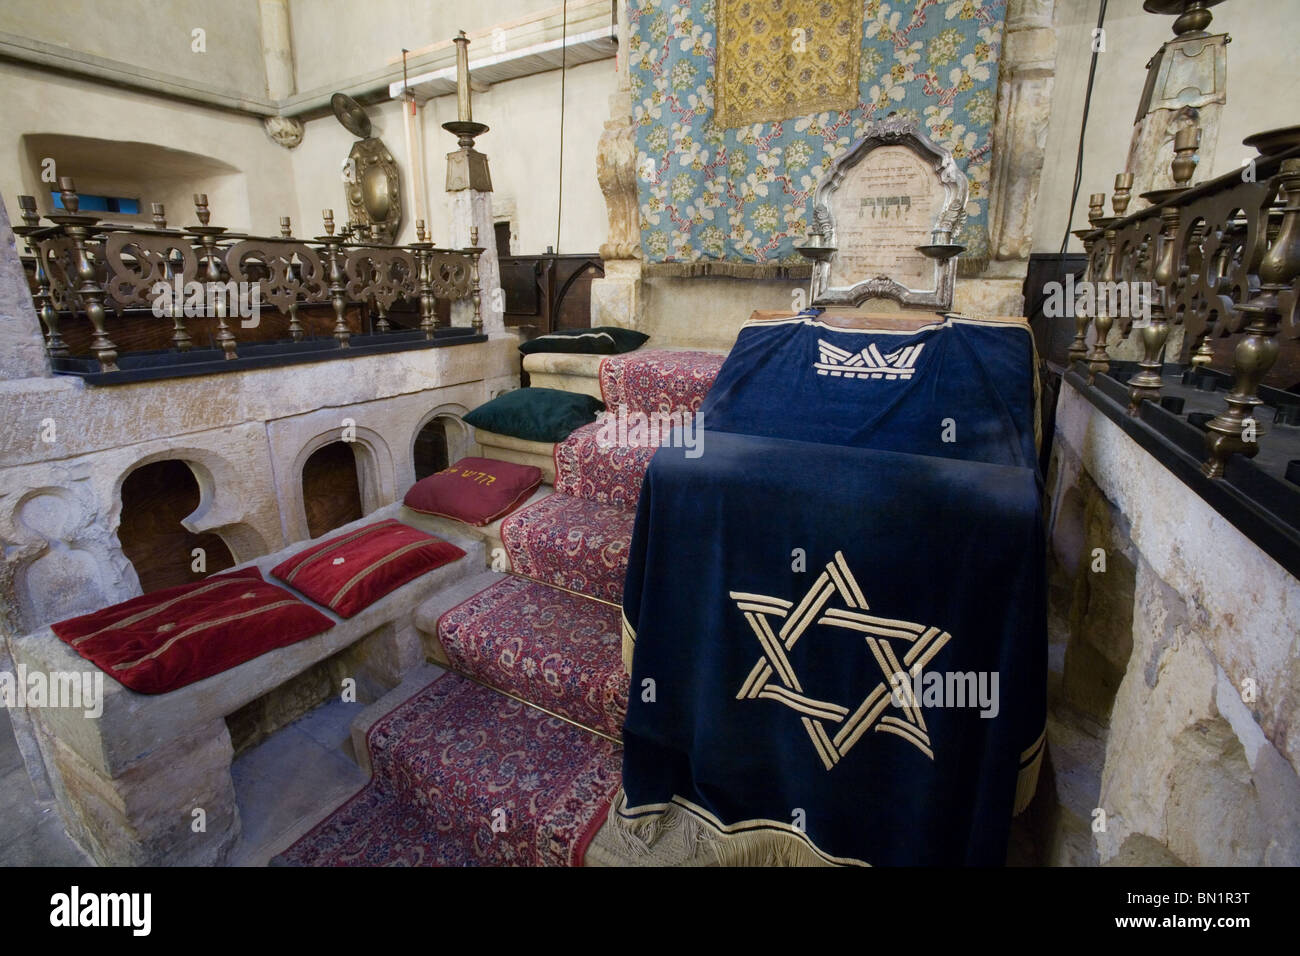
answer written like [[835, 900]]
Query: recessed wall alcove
[[156, 499], [331, 487]]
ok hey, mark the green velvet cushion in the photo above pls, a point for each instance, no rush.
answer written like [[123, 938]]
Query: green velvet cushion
[[603, 340], [536, 414]]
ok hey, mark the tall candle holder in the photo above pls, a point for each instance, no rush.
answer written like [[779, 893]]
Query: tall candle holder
[[467, 168], [79, 227]]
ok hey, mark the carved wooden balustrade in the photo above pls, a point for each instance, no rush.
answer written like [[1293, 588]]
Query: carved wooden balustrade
[[85, 268], [1221, 258]]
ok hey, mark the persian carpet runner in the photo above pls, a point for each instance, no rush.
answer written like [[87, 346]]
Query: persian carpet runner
[[845, 633], [464, 776], [541, 644], [658, 380]]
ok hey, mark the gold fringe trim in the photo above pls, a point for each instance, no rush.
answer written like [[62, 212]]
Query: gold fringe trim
[[731, 270], [629, 643], [1027, 779], [702, 843]]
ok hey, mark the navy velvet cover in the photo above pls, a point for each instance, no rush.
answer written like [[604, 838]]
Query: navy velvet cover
[[776, 587]]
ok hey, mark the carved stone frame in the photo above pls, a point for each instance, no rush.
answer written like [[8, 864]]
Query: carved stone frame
[[952, 214]]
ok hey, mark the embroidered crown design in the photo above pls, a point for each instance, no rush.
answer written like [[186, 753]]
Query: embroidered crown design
[[868, 363]]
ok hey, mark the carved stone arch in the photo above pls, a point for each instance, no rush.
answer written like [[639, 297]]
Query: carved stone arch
[[375, 475], [217, 512], [460, 442]]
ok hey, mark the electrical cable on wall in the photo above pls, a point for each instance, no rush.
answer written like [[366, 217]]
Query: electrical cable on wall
[[1083, 128], [559, 205]]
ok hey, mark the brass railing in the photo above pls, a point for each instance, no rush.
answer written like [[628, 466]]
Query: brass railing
[[1221, 258], [85, 268]]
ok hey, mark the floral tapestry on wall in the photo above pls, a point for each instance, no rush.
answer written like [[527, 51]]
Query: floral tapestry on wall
[[737, 200]]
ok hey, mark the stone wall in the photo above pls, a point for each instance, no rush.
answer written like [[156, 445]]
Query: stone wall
[[1178, 658]]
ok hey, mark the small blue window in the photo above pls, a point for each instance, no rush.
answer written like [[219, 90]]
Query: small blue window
[[87, 202]]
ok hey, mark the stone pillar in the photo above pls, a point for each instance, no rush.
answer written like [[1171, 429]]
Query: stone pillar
[[1026, 76], [22, 343], [472, 207], [277, 48], [618, 298]]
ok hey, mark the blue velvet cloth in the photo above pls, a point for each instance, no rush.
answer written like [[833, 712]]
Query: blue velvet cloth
[[776, 587]]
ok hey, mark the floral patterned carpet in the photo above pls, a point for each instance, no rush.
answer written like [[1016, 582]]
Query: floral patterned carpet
[[464, 776]]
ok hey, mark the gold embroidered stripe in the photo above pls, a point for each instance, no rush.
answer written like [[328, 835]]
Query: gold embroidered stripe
[[806, 705], [791, 634], [373, 567], [862, 719], [127, 665], [797, 616], [853, 582], [910, 628], [138, 617], [328, 548], [884, 728], [774, 652], [756, 679], [850, 624], [919, 654], [808, 725], [761, 608], [761, 599], [912, 709], [1028, 753]]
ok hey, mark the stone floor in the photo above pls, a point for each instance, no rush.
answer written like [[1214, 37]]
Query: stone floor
[[294, 778], [284, 786]]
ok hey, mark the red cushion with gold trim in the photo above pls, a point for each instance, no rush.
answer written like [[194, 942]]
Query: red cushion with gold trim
[[474, 490], [350, 572], [164, 640]]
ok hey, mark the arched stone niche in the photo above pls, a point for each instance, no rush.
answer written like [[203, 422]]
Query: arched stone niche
[[375, 479], [458, 442]]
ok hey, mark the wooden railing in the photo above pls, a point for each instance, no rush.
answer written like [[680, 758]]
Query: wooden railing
[[85, 269]]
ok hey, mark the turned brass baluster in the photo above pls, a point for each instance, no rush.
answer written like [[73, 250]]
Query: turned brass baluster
[[207, 236], [424, 280], [296, 330], [79, 228], [1098, 360], [475, 250], [1078, 349], [1229, 431], [49, 316], [333, 244], [1147, 381]]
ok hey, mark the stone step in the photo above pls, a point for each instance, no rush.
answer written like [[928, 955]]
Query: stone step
[[608, 475], [564, 370], [427, 614], [463, 775], [520, 451], [573, 543], [556, 650]]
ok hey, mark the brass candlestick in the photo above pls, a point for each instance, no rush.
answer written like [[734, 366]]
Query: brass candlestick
[[207, 236], [475, 250], [1147, 381], [1256, 352], [79, 228], [1078, 349], [1098, 360], [332, 245], [424, 278]]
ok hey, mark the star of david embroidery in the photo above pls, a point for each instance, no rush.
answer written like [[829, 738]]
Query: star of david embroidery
[[779, 624]]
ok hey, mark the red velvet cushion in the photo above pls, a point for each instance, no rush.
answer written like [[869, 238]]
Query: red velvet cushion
[[474, 490], [350, 572], [161, 641]]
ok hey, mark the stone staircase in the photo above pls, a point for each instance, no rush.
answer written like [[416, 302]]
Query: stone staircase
[[547, 631]]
